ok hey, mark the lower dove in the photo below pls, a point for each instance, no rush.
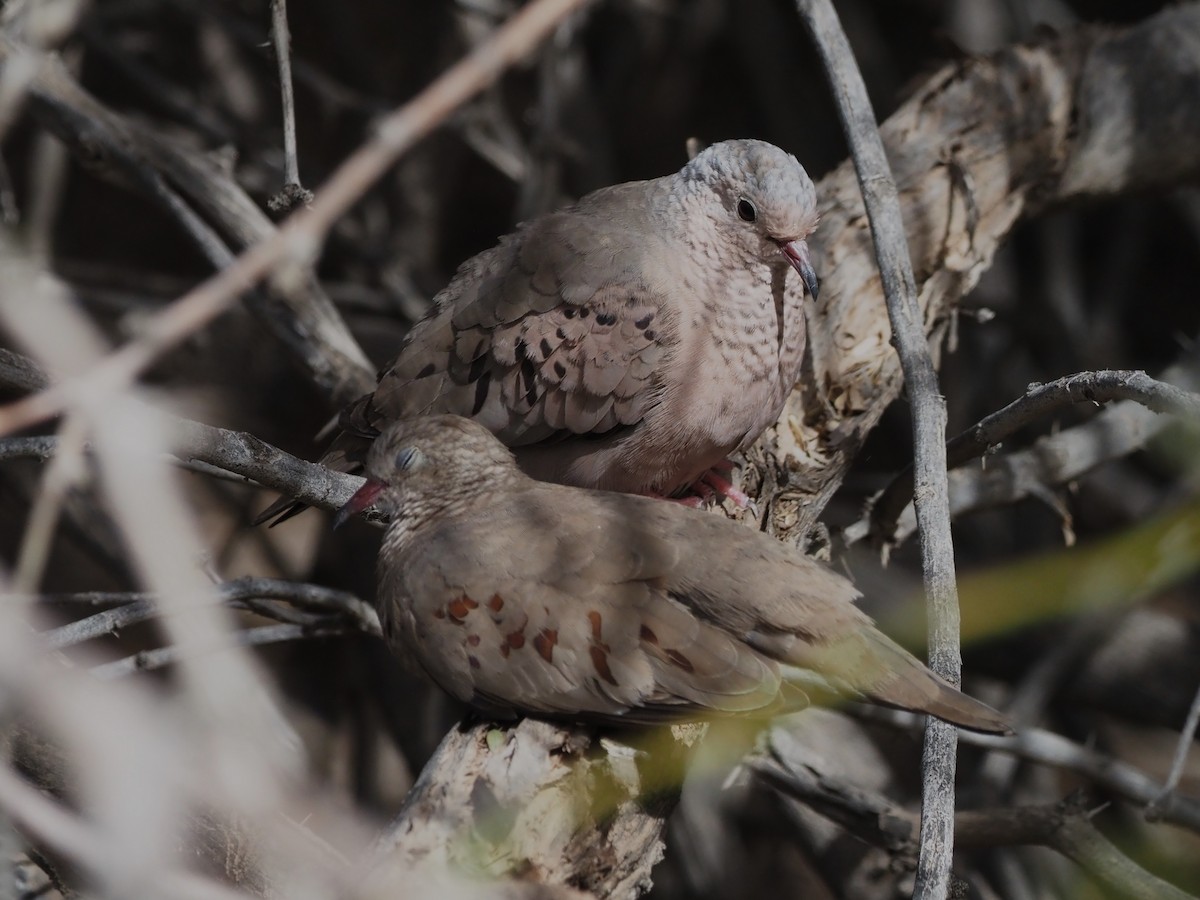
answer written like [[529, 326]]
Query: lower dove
[[522, 597], [630, 342]]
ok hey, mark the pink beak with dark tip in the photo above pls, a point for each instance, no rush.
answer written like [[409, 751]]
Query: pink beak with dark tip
[[797, 254], [363, 497]]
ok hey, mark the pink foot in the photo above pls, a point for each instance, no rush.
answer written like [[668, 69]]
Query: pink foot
[[713, 481], [712, 484]]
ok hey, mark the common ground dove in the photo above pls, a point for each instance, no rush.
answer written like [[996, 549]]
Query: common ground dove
[[629, 342], [523, 597]]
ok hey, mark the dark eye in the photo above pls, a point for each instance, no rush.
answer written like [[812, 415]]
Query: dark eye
[[746, 210], [407, 458]]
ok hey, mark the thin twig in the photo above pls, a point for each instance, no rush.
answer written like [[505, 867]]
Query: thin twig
[[133, 607], [302, 233], [1038, 401], [1186, 736], [1049, 749], [293, 193], [929, 429], [873, 817], [40, 448], [231, 451], [148, 660], [1053, 459], [1040, 681]]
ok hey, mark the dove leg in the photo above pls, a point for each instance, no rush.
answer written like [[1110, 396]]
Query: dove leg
[[716, 480]]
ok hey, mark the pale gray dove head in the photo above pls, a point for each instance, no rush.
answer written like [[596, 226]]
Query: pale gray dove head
[[523, 597], [761, 200]]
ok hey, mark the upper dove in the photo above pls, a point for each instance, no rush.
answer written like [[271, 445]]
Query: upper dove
[[629, 342]]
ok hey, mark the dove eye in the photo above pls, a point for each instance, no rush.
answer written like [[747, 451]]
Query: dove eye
[[409, 458], [746, 211]]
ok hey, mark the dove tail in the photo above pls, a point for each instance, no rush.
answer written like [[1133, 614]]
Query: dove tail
[[937, 698], [908, 684]]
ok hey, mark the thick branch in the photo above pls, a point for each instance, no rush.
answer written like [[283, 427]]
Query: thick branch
[[978, 146], [531, 795]]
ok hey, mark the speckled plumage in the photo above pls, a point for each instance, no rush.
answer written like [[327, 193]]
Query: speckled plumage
[[523, 597], [629, 342]]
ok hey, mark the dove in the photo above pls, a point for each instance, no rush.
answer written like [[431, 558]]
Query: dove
[[523, 597], [629, 342]]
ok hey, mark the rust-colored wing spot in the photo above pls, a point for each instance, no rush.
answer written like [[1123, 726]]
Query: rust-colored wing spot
[[543, 643], [680, 660], [649, 636], [473, 640], [594, 618], [496, 603], [600, 661], [459, 607], [516, 640], [473, 661], [505, 649]]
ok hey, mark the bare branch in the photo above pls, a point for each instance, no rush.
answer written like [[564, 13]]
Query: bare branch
[[929, 429], [20, 373], [231, 451], [333, 606], [872, 817], [1040, 400], [979, 145], [1186, 735], [148, 660], [1050, 749], [293, 193]]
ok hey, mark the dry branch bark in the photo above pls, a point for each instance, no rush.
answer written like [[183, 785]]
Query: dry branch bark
[[555, 805], [979, 145]]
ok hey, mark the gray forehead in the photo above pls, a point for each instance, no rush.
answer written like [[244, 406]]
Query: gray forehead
[[756, 167]]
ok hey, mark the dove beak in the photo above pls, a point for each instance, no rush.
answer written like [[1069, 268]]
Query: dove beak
[[797, 254], [363, 497]]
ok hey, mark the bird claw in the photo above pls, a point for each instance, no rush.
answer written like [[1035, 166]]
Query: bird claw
[[714, 484], [720, 484]]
